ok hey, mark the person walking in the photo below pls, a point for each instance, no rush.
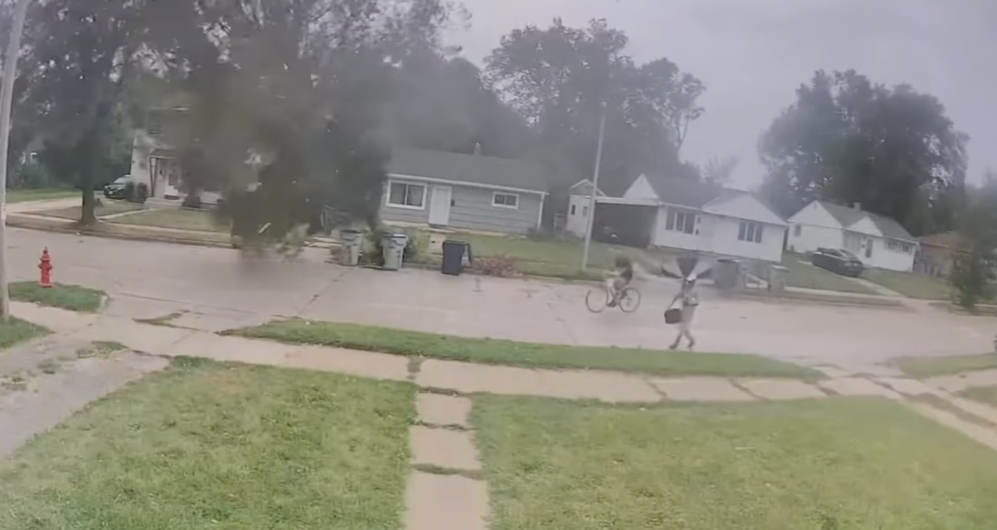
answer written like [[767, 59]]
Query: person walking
[[689, 299]]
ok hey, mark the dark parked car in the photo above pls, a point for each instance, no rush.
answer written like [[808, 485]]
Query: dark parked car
[[117, 189], [838, 261]]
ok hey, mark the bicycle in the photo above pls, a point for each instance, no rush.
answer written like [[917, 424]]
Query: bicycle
[[598, 299]]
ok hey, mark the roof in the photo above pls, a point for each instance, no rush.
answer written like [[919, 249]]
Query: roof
[[473, 169], [584, 187], [849, 216], [947, 240], [685, 192]]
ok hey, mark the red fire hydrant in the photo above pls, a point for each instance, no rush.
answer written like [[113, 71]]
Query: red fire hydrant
[[46, 268]]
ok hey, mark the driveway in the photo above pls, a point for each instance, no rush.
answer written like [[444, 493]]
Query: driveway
[[222, 290]]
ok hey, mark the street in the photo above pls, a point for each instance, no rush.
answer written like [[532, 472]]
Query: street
[[220, 289]]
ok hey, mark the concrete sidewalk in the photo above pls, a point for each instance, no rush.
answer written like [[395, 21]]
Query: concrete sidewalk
[[446, 488]]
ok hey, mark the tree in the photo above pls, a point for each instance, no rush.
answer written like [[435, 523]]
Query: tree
[[973, 270], [275, 82], [80, 54], [848, 140], [718, 171], [557, 79]]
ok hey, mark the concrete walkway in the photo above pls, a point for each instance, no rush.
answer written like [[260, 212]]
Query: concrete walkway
[[446, 489]]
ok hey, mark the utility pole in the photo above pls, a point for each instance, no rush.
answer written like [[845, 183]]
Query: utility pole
[[595, 187], [6, 100]]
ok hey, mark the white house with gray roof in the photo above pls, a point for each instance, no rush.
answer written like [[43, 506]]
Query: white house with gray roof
[[689, 215], [876, 240], [463, 192]]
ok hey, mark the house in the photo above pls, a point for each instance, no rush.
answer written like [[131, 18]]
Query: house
[[682, 214], [938, 252], [877, 240], [464, 192]]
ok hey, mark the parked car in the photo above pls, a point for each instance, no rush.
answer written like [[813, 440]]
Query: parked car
[[837, 260], [117, 189]]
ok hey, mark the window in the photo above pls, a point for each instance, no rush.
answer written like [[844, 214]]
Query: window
[[681, 221], [798, 230], [899, 246], [505, 200], [751, 232], [406, 195], [585, 211], [572, 209]]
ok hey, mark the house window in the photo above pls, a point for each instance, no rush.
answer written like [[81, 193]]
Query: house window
[[749, 231], [681, 221], [406, 195], [899, 246], [505, 200], [572, 209], [798, 230]]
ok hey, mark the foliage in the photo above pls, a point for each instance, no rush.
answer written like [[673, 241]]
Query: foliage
[[290, 97], [558, 78], [136, 192], [80, 52], [501, 265], [848, 140], [71, 297], [973, 269]]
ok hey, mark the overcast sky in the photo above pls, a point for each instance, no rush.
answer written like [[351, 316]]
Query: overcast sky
[[752, 54]]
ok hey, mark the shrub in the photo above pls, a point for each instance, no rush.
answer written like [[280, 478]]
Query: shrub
[[501, 265], [417, 244], [136, 192], [193, 201], [971, 279]]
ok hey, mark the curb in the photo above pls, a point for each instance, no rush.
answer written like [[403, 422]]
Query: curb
[[15, 223], [765, 296]]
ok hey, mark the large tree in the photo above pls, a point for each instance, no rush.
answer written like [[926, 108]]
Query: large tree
[[272, 81], [558, 79], [849, 140], [80, 55]]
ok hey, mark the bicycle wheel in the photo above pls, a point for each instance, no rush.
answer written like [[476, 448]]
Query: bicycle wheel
[[597, 300], [629, 300]]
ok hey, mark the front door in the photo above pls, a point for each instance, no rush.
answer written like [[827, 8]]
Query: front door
[[439, 205], [868, 248]]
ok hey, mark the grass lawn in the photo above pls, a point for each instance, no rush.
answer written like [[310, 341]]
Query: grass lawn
[[806, 276], [844, 463], [910, 285], [179, 219], [72, 297], [212, 446], [416, 343], [561, 259], [107, 207], [15, 331], [921, 367], [984, 394], [14, 196]]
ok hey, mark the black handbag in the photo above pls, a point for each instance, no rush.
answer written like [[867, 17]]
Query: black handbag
[[673, 315]]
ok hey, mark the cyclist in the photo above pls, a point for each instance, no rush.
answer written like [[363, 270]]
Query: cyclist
[[622, 275]]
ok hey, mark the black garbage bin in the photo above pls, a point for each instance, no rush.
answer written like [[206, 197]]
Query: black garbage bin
[[453, 257]]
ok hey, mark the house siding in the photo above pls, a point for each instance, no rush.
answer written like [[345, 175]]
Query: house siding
[[471, 209], [681, 240], [726, 242], [818, 229]]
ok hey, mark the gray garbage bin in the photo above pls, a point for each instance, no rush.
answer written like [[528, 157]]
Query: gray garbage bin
[[727, 274], [394, 250], [777, 278], [350, 244]]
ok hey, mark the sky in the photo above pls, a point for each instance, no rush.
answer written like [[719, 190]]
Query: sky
[[753, 54]]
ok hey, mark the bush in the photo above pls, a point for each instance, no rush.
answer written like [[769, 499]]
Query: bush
[[971, 279], [417, 244], [136, 192], [501, 265], [193, 201]]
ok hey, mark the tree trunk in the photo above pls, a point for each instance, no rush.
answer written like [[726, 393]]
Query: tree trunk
[[88, 215]]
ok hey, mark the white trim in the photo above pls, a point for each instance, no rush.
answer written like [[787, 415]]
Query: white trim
[[387, 198], [507, 194], [598, 193], [540, 214], [462, 183]]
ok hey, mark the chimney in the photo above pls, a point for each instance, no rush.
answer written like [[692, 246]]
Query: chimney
[[477, 148], [857, 205]]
